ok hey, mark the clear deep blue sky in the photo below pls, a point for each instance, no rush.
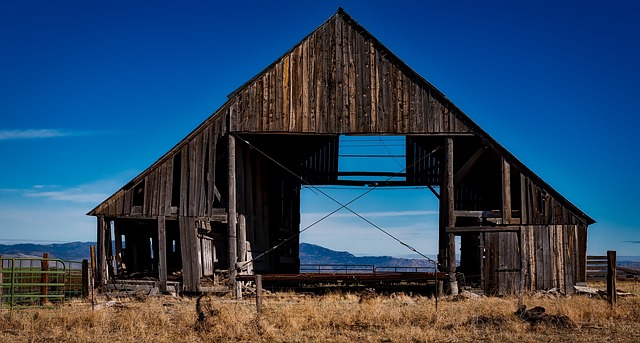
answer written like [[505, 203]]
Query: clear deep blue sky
[[93, 93]]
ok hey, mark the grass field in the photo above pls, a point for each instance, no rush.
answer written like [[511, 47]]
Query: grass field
[[330, 318]]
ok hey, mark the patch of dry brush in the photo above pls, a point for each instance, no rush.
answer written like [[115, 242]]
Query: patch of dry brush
[[328, 318]]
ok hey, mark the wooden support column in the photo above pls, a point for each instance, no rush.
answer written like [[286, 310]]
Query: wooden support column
[[232, 218], [108, 250], [447, 248], [506, 192], [162, 254], [101, 263], [242, 240], [118, 239]]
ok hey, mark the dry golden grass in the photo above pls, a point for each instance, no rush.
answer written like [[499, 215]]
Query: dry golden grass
[[329, 318]]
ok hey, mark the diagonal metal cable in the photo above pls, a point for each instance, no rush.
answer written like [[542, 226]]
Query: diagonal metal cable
[[337, 202], [389, 152]]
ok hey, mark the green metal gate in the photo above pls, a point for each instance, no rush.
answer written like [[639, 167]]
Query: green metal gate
[[29, 282]]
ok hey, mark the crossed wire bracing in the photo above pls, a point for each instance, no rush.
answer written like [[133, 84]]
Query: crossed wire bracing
[[341, 205]]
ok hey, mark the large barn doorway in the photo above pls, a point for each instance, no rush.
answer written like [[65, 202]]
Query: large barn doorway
[[375, 169]]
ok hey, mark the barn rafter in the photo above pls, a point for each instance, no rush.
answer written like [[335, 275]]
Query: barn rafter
[[211, 203]]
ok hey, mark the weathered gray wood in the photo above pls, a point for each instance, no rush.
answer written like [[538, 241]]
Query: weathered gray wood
[[259, 293], [185, 250], [101, 261], [478, 214], [506, 192], [162, 254], [93, 276], [232, 216], [242, 240], [501, 228], [118, 240], [447, 253], [524, 205]]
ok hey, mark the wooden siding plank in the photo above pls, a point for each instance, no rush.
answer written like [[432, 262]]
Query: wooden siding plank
[[305, 86], [524, 204], [264, 118], [550, 267], [127, 201], [211, 173], [331, 75], [184, 182], [313, 77], [324, 82], [286, 93], [539, 256], [366, 86], [202, 173], [351, 80], [272, 100], [339, 78], [530, 258], [406, 111], [506, 191], [296, 90], [162, 191]]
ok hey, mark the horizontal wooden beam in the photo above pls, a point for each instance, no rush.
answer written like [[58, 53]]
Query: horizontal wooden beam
[[364, 173], [467, 229], [479, 214], [370, 183]]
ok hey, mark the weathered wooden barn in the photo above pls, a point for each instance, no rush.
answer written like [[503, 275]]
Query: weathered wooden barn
[[230, 190]]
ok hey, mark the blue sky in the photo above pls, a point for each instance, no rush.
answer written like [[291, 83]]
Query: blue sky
[[92, 93]]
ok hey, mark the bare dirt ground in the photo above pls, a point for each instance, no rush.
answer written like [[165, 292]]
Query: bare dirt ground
[[291, 317]]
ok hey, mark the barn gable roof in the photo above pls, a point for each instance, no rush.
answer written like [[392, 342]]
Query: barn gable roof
[[339, 80]]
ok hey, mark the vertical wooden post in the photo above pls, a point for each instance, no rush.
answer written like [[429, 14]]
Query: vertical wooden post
[[612, 291], [118, 238], [242, 240], [259, 293], [92, 274], [506, 192], [1, 281], [44, 279], [108, 271], [522, 243], [92, 250], [232, 218], [162, 254], [101, 258], [85, 278], [447, 242]]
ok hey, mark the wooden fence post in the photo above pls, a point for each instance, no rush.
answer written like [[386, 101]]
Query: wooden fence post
[[44, 279], [85, 278], [92, 249], [1, 281], [612, 292], [259, 293]]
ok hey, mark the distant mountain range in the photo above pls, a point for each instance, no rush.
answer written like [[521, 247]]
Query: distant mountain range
[[315, 254], [309, 254], [75, 251]]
